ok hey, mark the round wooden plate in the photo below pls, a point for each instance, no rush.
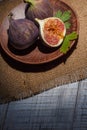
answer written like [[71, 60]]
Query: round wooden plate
[[37, 53]]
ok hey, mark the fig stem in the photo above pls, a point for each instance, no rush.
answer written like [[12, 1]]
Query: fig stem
[[39, 20], [30, 1], [10, 16]]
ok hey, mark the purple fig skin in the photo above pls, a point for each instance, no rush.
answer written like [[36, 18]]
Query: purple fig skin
[[40, 9], [22, 33]]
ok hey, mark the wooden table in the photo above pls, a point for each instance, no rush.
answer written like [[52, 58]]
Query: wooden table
[[61, 108]]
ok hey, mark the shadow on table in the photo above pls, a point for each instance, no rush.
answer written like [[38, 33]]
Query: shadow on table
[[36, 68]]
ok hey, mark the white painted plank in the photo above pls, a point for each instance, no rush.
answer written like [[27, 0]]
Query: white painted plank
[[80, 121], [53, 109], [3, 108]]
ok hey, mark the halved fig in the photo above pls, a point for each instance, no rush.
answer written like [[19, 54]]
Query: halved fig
[[52, 31]]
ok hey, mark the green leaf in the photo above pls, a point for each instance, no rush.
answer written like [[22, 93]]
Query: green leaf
[[72, 36], [67, 24], [58, 14], [66, 16], [66, 42], [65, 46]]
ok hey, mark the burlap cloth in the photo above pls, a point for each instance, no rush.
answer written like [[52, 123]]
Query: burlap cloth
[[19, 81]]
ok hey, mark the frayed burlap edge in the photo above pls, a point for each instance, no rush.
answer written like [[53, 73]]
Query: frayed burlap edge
[[72, 77]]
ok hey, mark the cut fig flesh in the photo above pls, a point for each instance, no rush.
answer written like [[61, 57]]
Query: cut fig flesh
[[52, 31]]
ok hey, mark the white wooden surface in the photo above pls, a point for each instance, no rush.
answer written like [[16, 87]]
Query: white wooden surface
[[61, 108], [3, 109], [80, 119]]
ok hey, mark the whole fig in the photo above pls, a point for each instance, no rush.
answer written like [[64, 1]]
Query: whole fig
[[52, 31], [22, 33], [38, 9]]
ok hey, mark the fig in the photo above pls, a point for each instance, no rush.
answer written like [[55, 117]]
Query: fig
[[52, 31], [38, 9], [22, 32]]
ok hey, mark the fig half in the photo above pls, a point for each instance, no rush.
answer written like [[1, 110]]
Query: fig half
[[52, 31], [22, 33]]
